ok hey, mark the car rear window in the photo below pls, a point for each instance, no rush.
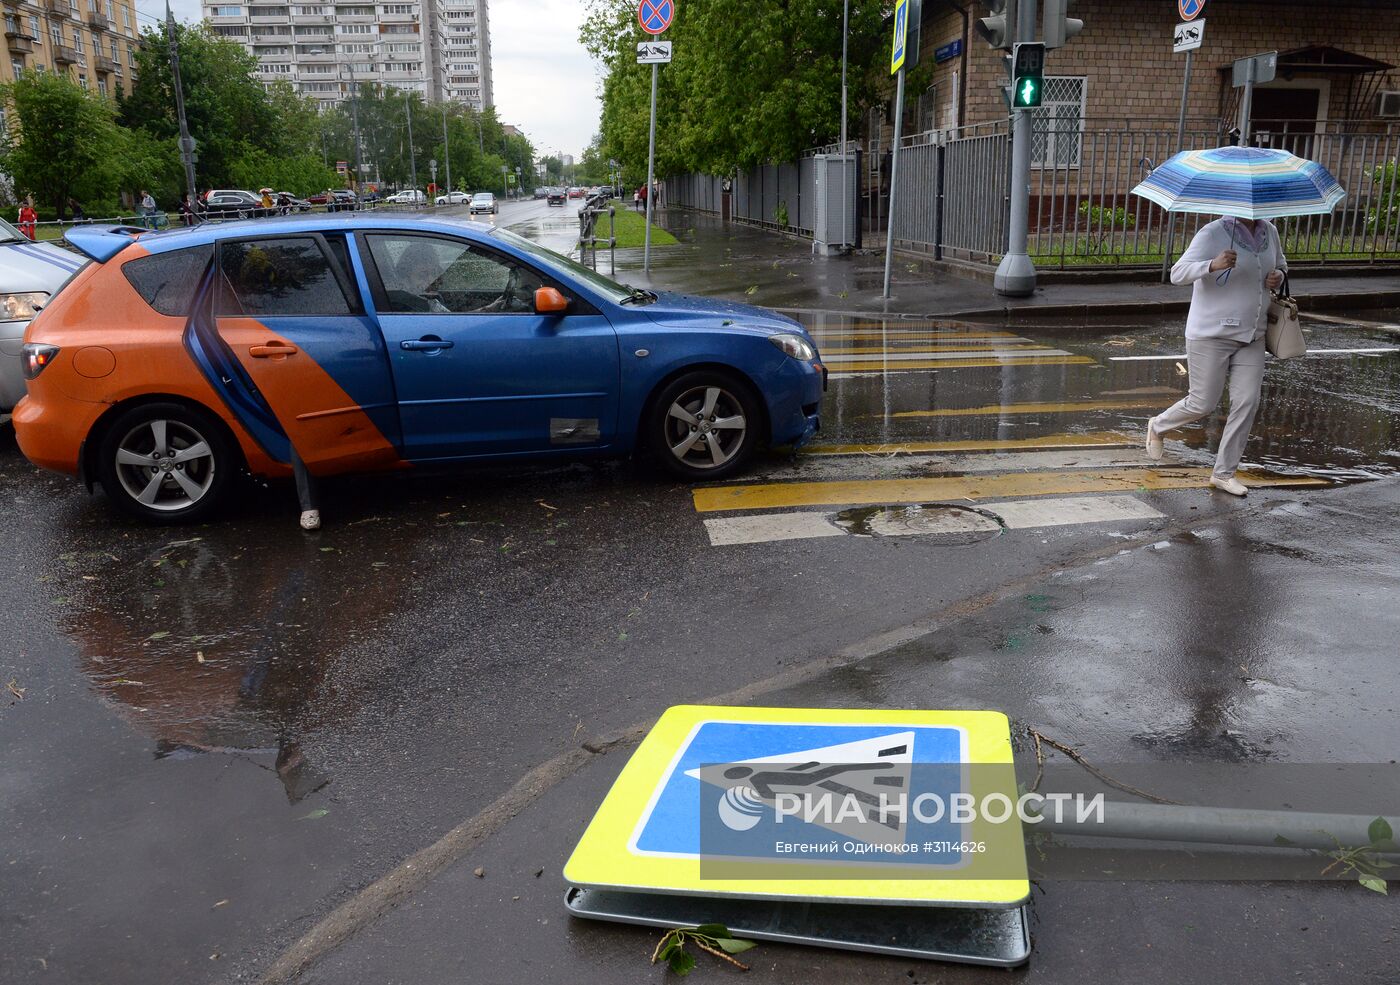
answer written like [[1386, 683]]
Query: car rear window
[[168, 281], [289, 276]]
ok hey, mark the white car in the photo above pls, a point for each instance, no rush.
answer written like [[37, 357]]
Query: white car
[[30, 273], [409, 196], [484, 202], [454, 198]]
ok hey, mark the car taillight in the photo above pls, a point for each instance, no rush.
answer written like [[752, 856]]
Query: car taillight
[[36, 357]]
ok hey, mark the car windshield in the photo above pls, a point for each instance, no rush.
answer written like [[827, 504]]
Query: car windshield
[[605, 286], [482, 197], [9, 234]]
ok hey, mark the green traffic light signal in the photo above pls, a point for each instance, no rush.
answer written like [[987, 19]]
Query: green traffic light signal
[[1026, 94]]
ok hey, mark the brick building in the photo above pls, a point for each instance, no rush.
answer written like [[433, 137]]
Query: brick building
[[1336, 60], [94, 42]]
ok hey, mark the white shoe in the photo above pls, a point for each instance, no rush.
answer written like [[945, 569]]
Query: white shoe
[[1231, 485], [1155, 447], [311, 519]]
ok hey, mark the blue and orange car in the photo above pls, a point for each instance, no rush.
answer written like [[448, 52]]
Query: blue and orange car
[[175, 361]]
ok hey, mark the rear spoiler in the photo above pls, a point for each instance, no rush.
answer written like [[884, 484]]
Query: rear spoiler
[[101, 243]]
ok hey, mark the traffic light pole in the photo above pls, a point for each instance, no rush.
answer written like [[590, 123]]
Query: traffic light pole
[[1015, 276]]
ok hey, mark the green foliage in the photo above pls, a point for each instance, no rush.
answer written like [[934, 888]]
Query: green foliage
[[301, 174], [60, 140], [750, 83], [712, 938], [1385, 216], [780, 214], [1105, 220]]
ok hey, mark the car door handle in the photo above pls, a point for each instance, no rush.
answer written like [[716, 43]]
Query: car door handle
[[272, 350], [428, 344]]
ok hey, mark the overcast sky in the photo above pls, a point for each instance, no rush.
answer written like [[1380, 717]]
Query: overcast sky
[[544, 81]]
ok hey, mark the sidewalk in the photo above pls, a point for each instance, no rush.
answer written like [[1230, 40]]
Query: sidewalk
[[744, 263]]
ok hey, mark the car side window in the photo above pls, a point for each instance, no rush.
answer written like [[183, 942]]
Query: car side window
[[168, 281], [291, 276], [431, 275]]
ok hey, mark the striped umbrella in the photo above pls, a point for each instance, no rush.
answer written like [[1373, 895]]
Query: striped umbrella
[[1248, 182]]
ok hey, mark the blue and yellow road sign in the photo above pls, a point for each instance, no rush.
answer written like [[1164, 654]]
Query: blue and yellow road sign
[[785, 803], [901, 35]]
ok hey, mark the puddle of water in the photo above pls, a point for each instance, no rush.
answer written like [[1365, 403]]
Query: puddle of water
[[936, 523], [902, 379]]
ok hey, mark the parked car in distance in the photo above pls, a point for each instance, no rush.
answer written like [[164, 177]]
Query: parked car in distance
[[231, 203], [454, 198], [288, 203], [556, 196], [371, 198], [541, 191], [481, 347], [484, 202], [341, 200], [409, 196], [576, 193], [30, 274]]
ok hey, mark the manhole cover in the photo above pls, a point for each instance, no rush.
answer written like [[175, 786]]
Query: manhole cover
[[948, 524]]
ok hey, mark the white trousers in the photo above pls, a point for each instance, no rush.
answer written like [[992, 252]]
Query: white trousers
[[1211, 362]]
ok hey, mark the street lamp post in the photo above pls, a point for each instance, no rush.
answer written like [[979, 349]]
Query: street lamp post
[[446, 154], [412, 163], [355, 123]]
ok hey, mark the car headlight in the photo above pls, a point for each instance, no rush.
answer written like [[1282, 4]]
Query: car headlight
[[795, 346], [17, 307]]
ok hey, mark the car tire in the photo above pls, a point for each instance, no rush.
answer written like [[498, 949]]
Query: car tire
[[187, 477], [681, 432]]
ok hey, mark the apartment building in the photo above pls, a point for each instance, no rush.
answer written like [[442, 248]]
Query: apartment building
[[462, 51], [323, 49], [93, 41]]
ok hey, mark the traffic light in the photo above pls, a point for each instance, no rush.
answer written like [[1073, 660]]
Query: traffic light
[[1059, 27], [1028, 74], [998, 28]]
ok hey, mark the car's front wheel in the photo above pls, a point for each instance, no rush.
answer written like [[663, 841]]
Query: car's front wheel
[[166, 463], [704, 425]]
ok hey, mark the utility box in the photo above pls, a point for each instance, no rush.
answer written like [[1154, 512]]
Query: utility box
[[835, 221]]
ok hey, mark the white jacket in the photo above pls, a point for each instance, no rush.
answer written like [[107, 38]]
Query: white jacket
[[1239, 308]]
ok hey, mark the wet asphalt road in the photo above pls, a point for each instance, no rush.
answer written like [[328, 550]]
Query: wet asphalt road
[[228, 730]]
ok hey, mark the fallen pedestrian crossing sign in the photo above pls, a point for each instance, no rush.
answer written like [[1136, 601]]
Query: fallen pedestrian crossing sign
[[886, 830]]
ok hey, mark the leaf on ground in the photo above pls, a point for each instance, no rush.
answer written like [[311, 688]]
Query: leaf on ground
[[317, 813], [682, 963], [1375, 884], [752, 290], [1379, 830], [14, 688], [734, 946], [159, 634]]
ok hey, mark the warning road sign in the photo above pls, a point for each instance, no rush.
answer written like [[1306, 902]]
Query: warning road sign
[[813, 804]]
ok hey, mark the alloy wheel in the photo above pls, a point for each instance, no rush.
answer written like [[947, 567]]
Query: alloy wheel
[[705, 427], [165, 465]]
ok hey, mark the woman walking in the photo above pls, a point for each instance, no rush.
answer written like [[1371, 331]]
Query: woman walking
[[1232, 264]]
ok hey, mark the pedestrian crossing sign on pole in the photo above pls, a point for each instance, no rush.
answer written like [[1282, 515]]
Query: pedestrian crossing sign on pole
[[901, 35], [756, 807]]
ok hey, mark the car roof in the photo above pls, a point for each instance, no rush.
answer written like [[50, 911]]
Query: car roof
[[103, 242]]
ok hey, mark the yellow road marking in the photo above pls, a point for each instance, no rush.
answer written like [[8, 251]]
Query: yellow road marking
[[770, 496], [1067, 407], [863, 367], [990, 345], [1100, 439]]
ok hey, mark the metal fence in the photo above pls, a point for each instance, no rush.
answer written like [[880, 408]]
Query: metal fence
[[1084, 214], [952, 196]]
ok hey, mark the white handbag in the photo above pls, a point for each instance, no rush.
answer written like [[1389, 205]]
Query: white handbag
[[1284, 335]]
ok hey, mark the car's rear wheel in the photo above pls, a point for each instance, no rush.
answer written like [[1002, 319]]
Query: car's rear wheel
[[166, 463], [704, 425]]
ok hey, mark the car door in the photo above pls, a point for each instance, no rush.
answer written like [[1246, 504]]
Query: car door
[[287, 310], [477, 371]]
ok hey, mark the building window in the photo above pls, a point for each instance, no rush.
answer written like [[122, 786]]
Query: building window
[[17, 67], [1058, 124], [228, 11], [34, 31], [126, 19], [82, 80], [56, 33], [101, 86]]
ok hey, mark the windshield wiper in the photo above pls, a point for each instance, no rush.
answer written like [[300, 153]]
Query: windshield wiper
[[638, 296]]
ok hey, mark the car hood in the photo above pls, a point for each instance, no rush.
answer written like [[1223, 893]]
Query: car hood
[[669, 308], [35, 267]]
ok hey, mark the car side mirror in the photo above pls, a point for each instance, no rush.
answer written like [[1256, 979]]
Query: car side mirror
[[548, 301]]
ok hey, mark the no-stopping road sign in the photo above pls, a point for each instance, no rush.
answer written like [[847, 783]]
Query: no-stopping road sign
[[656, 15]]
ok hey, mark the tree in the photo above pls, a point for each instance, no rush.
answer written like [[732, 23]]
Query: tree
[[60, 140], [227, 108], [750, 83]]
